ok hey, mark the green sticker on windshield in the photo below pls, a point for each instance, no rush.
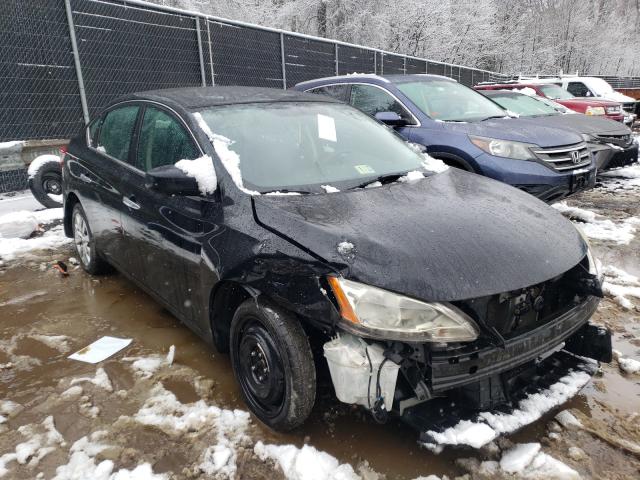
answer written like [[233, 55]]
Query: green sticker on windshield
[[364, 169]]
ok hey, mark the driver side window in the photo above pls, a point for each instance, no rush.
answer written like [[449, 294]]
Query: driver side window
[[372, 100], [579, 89], [163, 141]]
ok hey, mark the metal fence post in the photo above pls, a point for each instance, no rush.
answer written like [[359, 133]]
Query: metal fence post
[[404, 65], [203, 76], [213, 78], [336, 55], [284, 68], [382, 63], [375, 62], [76, 61]]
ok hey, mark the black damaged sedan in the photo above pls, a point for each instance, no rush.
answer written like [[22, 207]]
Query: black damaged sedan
[[277, 224]]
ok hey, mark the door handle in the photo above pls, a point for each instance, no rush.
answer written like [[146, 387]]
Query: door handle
[[130, 202], [84, 178]]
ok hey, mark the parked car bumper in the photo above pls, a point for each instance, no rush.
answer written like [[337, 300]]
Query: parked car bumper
[[537, 179], [624, 157]]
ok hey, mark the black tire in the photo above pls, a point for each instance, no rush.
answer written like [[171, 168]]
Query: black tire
[[273, 364], [47, 181], [85, 244]]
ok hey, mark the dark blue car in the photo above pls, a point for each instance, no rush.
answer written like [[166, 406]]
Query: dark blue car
[[466, 130]]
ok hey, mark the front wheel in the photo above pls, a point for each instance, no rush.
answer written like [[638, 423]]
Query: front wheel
[[85, 243], [273, 364]]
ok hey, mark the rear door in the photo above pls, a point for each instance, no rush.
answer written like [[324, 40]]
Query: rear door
[[104, 175], [165, 229]]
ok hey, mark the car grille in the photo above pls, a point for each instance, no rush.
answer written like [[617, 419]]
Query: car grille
[[629, 107], [565, 158], [619, 140]]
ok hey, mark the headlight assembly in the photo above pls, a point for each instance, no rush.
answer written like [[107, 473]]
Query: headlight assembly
[[376, 313], [504, 148], [594, 268]]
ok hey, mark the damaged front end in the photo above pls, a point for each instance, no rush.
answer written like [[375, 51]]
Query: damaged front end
[[477, 355]]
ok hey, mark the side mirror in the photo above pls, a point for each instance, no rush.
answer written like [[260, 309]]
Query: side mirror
[[171, 180], [391, 118]]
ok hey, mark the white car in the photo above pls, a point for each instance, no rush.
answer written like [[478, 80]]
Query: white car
[[597, 87]]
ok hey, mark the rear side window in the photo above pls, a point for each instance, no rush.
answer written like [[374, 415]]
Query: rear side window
[[339, 92], [163, 141], [117, 129], [579, 89], [372, 100]]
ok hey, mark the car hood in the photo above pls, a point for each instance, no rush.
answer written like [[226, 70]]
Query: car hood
[[514, 129], [451, 236], [581, 123], [618, 97], [589, 101]]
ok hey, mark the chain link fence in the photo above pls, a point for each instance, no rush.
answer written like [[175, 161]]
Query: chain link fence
[[64, 60]]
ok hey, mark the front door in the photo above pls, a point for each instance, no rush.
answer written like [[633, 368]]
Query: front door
[[166, 229]]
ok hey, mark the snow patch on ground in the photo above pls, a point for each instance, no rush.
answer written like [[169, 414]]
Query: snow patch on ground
[[57, 342], [163, 410], [42, 440], [82, 464], [202, 170], [625, 178], [101, 379], [14, 232], [305, 463], [145, 367], [527, 461], [619, 285], [38, 163], [627, 365], [489, 426], [596, 227]]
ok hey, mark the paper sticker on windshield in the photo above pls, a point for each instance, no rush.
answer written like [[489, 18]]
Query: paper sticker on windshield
[[364, 169], [327, 128]]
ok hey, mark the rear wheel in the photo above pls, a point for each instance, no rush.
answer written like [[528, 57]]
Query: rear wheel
[[273, 364], [85, 243]]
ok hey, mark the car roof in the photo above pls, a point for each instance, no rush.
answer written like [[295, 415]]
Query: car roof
[[201, 97], [373, 78]]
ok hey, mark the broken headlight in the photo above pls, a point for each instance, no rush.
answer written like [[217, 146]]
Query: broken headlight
[[377, 313], [504, 148]]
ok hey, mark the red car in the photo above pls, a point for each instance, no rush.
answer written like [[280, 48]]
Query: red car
[[588, 106]]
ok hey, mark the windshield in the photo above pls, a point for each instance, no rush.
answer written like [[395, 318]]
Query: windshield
[[523, 105], [304, 146], [555, 92], [450, 102]]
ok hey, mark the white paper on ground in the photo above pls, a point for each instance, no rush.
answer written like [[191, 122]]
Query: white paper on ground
[[101, 349]]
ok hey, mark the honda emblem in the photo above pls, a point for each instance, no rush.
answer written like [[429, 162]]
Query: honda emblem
[[575, 157]]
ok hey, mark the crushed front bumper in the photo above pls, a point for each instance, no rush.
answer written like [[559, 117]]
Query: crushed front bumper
[[451, 370]]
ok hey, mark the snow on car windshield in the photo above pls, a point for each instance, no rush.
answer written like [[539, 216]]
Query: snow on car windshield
[[303, 146]]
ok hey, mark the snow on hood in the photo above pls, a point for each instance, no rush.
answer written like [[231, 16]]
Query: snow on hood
[[450, 236], [618, 97]]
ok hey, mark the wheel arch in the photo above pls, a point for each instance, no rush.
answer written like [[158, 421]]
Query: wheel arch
[[69, 203], [224, 299], [454, 160]]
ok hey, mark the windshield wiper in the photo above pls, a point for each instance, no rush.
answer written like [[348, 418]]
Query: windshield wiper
[[495, 116], [383, 179], [285, 191]]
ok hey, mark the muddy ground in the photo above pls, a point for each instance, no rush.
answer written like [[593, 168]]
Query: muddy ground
[[45, 316]]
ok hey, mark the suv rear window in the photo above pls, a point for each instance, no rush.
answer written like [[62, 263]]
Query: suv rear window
[[116, 131]]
